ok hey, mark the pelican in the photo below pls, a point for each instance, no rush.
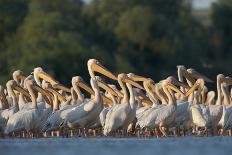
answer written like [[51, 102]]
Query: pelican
[[100, 121], [28, 119], [226, 119], [14, 108], [214, 111], [164, 115], [19, 77], [86, 113], [200, 113], [55, 119], [121, 115]]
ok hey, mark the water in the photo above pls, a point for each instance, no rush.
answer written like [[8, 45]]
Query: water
[[113, 146]]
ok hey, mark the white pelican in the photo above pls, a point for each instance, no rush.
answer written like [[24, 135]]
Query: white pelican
[[7, 113], [86, 113], [164, 115], [121, 115], [210, 114], [19, 77], [29, 119], [226, 120], [55, 119], [100, 121]]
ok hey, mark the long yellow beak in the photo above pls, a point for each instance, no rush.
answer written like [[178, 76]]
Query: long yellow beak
[[101, 69], [47, 78], [144, 98], [198, 75], [84, 86], [127, 80], [61, 87], [174, 88], [119, 94], [107, 100], [104, 86], [42, 91], [191, 90], [61, 97], [138, 78], [23, 91]]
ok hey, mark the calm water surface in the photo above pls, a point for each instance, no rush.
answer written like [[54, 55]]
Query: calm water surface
[[113, 146]]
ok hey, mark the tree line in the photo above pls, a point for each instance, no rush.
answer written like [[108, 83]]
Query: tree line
[[145, 37]]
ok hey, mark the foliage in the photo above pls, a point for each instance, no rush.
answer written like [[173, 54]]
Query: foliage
[[146, 37]]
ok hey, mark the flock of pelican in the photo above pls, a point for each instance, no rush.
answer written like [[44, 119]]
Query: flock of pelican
[[37, 105]]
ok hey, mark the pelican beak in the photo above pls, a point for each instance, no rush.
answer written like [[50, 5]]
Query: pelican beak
[[138, 78], [194, 87], [43, 92], [228, 80], [198, 75], [84, 86], [119, 94], [188, 76], [22, 77], [152, 86], [104, 86], [174, 88], [182, 84], [47, 78], [127, 80], [107, 100], [145, 99], [23, 91], [61, 87], [101, 69], [61, 97]]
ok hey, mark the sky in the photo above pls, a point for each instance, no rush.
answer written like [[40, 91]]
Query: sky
[[202, 4]]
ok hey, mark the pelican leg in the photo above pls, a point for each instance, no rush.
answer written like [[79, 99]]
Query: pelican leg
[[52, 134], [229, 132], [175, 132], [58, 133], [71, 133], [94, 133], [163, 131]]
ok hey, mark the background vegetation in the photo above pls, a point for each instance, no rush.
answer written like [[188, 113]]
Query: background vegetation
[[148, 37]]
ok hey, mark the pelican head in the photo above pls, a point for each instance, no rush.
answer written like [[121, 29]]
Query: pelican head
[[181, 67], [105, 86], [197, 75], [77, 80], [227, 80], [200, 83], [220, 77], [120, 94], [136, 78], [167, 84], [13, 84], [48, 87], [175, 82], [18, 76], [124, 78], [150, 83], [95, 66], [39, 73]]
